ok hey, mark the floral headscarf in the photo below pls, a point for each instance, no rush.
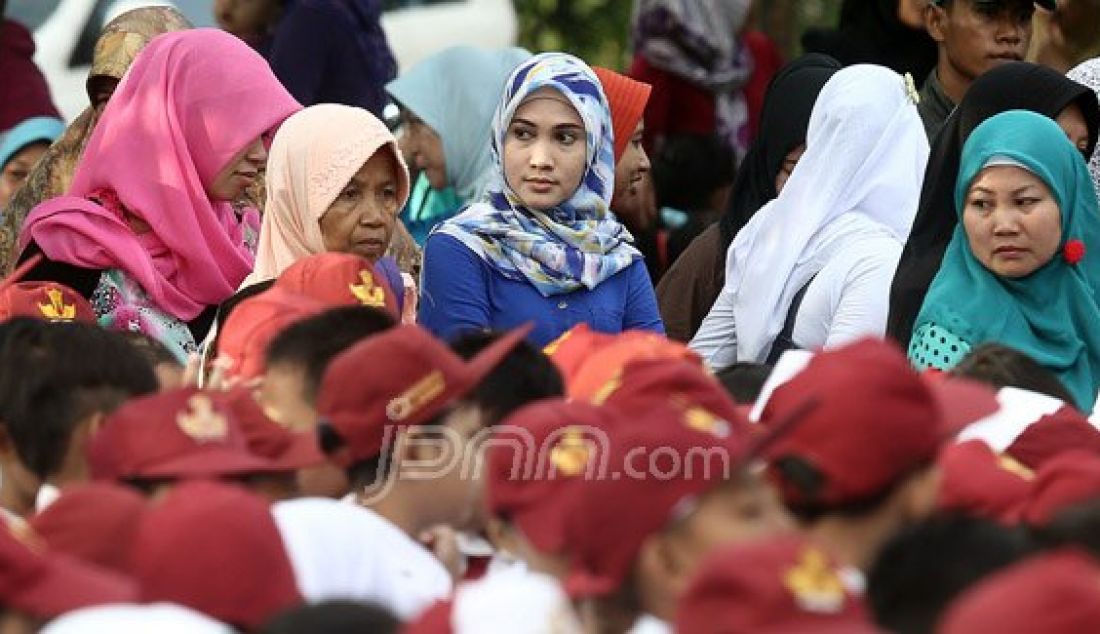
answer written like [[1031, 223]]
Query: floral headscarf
[[577, 244], [1088, 74]]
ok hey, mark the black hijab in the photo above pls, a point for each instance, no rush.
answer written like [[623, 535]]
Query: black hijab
[[871, 33], [786, 115], [1012, 86]]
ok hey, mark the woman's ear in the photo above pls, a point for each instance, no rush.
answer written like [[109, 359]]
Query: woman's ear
[[935, 22]]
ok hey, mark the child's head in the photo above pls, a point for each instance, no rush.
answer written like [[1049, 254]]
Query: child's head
[[54, 404], [298, 356], [974, 36]]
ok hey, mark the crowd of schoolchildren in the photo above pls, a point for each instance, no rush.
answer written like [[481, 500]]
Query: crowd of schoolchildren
[[715, 345]]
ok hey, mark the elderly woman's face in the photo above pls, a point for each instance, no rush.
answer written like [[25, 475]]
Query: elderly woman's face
[[1012, 221], [362, 217], [545, 150], [424, 149]]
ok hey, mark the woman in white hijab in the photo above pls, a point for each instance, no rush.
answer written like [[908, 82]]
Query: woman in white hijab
[[813, 268]]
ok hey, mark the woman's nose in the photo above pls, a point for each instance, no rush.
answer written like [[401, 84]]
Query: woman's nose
[[540, 156]]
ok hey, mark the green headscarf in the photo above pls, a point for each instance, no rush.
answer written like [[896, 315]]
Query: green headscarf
[[1052, 315]]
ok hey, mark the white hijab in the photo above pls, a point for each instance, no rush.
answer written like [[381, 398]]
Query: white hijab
[[861, 174]]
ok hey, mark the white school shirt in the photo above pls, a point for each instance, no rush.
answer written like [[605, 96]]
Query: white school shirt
[[346, 551], [848, 299]]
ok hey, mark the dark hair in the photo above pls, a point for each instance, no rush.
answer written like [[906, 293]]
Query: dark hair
[[314, 342], [524, 375], [1078, 525], [924, 567], [1002, 366], [801, 485], [334, 617], [1022, 10], [743, 381], [155, 352], [689, 168], [55, 376]]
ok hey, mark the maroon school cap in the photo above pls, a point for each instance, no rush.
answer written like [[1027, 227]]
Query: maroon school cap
[[537, 460], [180, 434], [44, 584], [215, 548], [402, 377], [48, 301], [781, 585], [340, 279], [95, 522], [876, 420], [657, 468]]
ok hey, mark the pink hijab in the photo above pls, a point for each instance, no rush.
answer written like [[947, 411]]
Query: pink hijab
[[191, 101]]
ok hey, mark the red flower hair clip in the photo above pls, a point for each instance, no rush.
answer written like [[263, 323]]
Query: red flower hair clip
[[1074, 251]]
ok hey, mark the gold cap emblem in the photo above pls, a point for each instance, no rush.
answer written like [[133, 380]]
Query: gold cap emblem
[[201, 421], [814, 583], [57, 309], [416, 397], [571, 454], [703, 420], [368, 293]]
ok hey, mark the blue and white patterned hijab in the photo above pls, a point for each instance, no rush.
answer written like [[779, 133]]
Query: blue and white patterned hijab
[[577, 244]]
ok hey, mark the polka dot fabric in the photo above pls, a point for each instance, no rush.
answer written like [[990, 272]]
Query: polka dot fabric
[[933, 346]]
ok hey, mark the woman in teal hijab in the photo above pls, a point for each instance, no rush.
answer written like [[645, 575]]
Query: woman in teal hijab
[[1023, 267], [447, 104]]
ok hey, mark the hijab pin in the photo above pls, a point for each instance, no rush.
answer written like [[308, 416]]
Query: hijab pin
[[911, 89], [1074, 251]]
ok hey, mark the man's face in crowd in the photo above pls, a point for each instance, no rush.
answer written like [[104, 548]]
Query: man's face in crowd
[[981, 34]]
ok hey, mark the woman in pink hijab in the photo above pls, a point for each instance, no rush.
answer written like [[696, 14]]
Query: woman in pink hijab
[[147, 231]]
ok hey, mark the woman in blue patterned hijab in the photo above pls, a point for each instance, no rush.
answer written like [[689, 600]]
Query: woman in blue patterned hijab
[[543, 244]]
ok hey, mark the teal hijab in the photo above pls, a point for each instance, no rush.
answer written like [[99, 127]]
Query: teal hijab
[[1052, 315], [456, 92]]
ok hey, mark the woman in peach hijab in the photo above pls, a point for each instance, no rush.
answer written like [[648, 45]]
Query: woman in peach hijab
[[335, 182]]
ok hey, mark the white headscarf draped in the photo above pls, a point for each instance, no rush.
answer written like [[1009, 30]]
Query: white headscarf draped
[[861, 174]]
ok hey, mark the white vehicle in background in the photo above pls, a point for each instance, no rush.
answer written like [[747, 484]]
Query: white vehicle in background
[[65, 32]]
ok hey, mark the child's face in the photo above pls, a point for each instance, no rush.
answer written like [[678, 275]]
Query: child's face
[[739, 511], [981, 34], [460, 485], [283, 397]]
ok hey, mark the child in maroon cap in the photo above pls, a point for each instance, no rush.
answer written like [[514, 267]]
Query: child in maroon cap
[[536, 463], [297, 357], [777, 586], [157, 441], [675, 490], [215, 548], [393, 415], [861, 465]]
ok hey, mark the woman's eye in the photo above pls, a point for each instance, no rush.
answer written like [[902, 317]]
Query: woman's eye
[[1026, 202], [350, 193], [979, 204], [522, 134], [389, 192], [567, 138]]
